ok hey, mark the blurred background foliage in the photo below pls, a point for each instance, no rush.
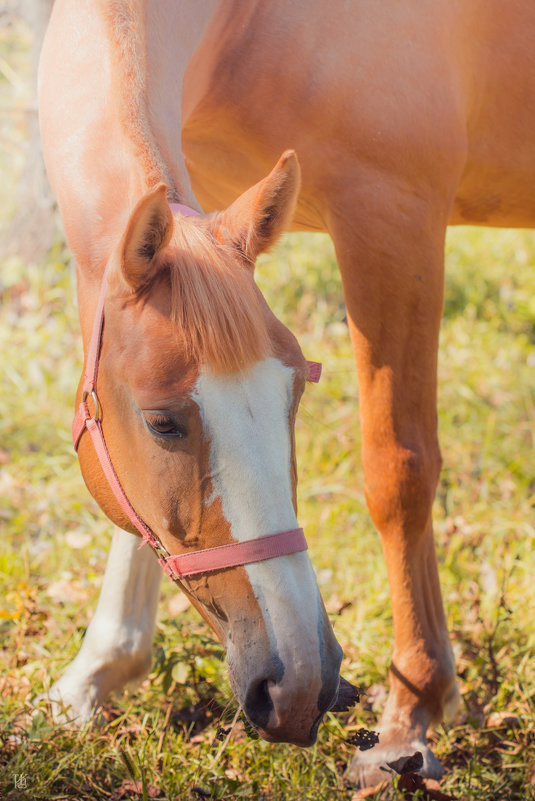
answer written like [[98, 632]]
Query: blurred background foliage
[[178, 735]]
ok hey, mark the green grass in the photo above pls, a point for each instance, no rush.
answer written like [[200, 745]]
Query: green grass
[[167, 732], [174, 735]]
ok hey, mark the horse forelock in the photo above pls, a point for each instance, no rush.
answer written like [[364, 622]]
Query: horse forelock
[[214, 302], [215, 305]]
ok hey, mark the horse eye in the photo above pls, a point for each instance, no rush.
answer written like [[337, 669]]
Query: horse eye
[[164, 425]]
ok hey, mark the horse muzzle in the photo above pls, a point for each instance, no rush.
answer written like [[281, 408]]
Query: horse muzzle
[[285, 696], [282, 716]]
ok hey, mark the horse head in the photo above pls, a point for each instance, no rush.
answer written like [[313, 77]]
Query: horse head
[[199, 385]]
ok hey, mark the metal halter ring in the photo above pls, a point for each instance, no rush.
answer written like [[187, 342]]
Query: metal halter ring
[[97, 413]]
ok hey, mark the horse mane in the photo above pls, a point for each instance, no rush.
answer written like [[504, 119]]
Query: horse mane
[[215, 304], [123, 23], [214, 301]]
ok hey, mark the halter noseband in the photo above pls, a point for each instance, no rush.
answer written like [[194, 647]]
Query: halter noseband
[[187, 564]]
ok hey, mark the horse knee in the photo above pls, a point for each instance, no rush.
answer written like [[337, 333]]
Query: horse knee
[[400, 485]]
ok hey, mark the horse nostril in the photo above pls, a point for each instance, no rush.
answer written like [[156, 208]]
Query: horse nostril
[[258, 704]]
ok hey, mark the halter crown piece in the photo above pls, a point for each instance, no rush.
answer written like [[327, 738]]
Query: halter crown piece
[[187, 564]]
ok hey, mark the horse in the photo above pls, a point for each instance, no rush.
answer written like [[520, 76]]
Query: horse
[[161, 123]]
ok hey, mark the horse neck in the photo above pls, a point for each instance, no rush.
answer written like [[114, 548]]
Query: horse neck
[[152, 47]]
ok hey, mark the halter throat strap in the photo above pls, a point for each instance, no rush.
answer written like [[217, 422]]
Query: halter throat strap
[[194, 562]]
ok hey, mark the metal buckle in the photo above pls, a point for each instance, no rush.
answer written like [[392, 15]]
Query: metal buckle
[[97, 412]]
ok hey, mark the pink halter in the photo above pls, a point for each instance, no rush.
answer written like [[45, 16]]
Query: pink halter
[[188, 564]]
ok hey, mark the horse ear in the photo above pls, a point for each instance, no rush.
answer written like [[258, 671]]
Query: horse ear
[[255, 221], [149, 230]]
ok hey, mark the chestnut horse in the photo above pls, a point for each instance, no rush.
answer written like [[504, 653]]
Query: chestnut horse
[[406, 116]]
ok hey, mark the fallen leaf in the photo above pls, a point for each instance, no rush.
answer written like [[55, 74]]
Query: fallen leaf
[[412, 782], [221, 733], [367, 792], [407, 764], [499, 720], [200, 793], [348, 696], [364, 739], [231, 773], [408, 785]]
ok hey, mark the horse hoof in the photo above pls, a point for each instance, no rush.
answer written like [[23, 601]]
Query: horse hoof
[[67, 708], [370, 768]]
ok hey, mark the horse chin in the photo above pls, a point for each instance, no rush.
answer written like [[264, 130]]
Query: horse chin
[[302, 740]]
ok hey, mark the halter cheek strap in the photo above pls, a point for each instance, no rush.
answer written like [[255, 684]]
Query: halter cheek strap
[[186, 211], [194, 562]]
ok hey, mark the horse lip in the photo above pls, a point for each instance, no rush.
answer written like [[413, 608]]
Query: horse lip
[[299, 742], [313, 734], [302, 741]]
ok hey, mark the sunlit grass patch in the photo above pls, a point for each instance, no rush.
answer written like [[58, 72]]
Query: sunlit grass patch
[[485, 538], [177, 735]]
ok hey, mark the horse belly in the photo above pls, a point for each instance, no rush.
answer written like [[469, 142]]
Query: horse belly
[[497, 186]]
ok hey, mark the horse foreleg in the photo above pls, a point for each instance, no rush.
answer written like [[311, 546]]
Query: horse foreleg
[[116, 648], [392, 270]]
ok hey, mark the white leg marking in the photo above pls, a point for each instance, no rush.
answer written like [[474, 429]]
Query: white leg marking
[[116, 648]]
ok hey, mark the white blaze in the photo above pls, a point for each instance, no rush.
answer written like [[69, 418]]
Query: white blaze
[[246, 419]]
